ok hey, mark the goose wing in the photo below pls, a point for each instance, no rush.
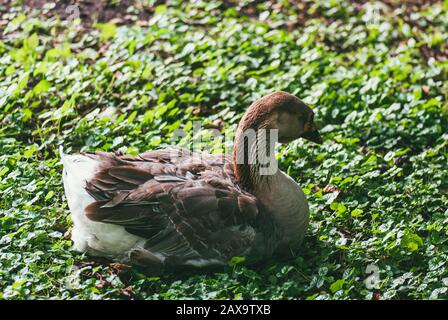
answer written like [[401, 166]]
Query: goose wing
[[187, 208]]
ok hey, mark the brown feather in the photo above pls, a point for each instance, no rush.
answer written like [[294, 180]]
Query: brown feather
[[185, 209], [130, 174]]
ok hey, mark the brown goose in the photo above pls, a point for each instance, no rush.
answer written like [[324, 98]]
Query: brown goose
[[171, 208]]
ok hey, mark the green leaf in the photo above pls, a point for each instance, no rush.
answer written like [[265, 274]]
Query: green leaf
[[312, 297], [10, 70], [160, 9], [42, 87], [31, 43], [30, 151], [108, 30], [337, 285], [236, 260], [412, 241], [341, 208], [27, 114], [49, 195], [3, 171], [66, 108], [23, 82], [357, 213]]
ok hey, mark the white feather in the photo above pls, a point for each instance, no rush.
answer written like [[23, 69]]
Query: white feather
[[203, 263], [87, 235]]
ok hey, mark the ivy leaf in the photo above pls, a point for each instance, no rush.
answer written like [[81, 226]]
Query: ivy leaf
[[337, 285], [412, 241], [108, 30], [42, 87], [236, 261]]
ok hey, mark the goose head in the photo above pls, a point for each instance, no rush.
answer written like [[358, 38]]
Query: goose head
[[284, 112]]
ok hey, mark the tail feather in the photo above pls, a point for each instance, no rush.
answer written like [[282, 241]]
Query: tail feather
[[77, 168]]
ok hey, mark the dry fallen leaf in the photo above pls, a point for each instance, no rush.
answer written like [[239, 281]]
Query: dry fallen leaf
[[363, 149], [330, 188], [117, 21], [103, 284], [142, 23], [120, 267], [128, 292], [377, 296]]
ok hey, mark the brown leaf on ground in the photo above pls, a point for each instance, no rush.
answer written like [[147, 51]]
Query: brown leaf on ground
[[118, 74], [119, 267], [93, 11], [117, 21], [377, 296], [142, 23], [103, 284], [330, 188], [216, 124], [128, 292], [202, 110]]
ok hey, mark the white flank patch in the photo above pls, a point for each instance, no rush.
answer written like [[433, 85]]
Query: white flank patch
[[91, 236], [202, 263]]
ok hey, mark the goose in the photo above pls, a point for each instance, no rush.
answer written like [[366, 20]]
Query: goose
[[172, 209]]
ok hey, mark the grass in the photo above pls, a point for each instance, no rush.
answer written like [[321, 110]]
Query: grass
[[377, 187]]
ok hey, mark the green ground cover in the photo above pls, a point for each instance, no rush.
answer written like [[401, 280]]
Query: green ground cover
[[377, 187]]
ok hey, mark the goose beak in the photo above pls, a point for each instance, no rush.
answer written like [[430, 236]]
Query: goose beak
[[313, 136]]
